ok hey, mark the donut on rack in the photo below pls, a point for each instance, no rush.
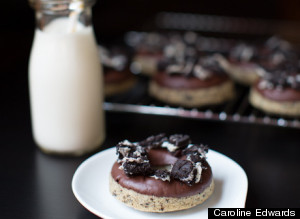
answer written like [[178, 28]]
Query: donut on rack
[[161, 174], [117, 75], [191, 81], [248, 62], [278, 92]]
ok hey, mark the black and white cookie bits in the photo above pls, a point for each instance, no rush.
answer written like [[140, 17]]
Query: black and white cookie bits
[[134, 160]]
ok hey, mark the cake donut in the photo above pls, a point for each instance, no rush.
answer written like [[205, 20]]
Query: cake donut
[[161, 174], [242, 64], [278, 93], [277, 54], [191, 82], [247, 62], [117, 75], [148, 51]]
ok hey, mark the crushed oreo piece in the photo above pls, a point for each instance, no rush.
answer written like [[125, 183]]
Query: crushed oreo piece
[[134, 169], [212, 64], [127, 149], [123, 149], [154, 141], [192, 66], [184, 171], [244, 52], [114, 58], [169, 146], [196, 148], [179, 140], [276, 43], [195, 158], [163, 175], [280, 79], [134, 160], [199, 171], [201, 73], [196, 153]]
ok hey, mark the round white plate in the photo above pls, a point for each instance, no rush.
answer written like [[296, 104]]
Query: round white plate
[[91, 187]]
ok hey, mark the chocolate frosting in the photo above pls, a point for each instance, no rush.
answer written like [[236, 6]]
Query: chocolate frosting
[[113, 76], [284, 94], [280, 85], [182, 82], [273, 54], [151, 186]]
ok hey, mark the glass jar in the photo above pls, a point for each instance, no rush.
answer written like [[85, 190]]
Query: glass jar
[[65, 79]]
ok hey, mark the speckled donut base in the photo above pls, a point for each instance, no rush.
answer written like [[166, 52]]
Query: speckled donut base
[[285, 108], [157, 204], [147, 64], [115, 88], [242, 75], [193, 97]]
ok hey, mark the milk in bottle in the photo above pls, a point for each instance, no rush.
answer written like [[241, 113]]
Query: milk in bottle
[[65, 79]]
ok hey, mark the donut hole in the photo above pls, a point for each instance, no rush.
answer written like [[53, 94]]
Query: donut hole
[[164, 167], [161, 158]]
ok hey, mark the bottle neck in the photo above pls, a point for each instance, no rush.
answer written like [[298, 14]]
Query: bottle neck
[[77, 12]]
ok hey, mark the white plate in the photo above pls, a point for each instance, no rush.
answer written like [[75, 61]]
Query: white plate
[[91, 187]]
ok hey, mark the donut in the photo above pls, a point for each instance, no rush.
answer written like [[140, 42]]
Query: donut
[[116, 82], [148, 51], [191, 82], [278, 93], [248, 62], [117, 75], [161, 174], [242, 65]]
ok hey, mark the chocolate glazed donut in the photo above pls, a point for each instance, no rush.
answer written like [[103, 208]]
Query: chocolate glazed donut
[[163, 174], [151, 186]]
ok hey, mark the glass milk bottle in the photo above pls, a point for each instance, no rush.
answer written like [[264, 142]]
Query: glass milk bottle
[[65, 79]]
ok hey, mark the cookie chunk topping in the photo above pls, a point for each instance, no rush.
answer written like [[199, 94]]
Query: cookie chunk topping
[[280, 80], [134, 160]]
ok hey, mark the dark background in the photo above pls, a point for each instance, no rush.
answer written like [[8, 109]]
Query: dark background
[[19, 156], [111, 19], [117, 16]]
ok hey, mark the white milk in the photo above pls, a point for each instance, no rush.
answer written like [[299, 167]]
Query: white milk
[[66, 94]]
